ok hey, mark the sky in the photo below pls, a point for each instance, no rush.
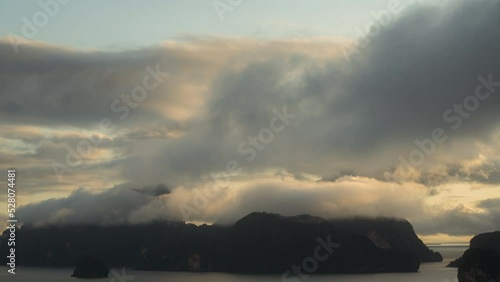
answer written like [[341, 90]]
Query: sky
[[205, 111], [132, 24]]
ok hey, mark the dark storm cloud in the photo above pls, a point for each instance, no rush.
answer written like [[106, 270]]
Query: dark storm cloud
[[410, 74], [357, 116]]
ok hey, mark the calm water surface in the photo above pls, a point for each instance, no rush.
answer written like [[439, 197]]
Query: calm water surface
[[428, 272]]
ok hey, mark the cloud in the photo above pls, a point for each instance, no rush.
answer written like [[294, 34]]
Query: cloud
[[121, 204], [154, 190], [465, 220], [111, 207], [345, 197], [358, 116], [353, 118]]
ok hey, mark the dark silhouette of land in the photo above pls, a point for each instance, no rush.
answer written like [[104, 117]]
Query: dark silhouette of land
[[481, 262], [90, 267], [257, 243]]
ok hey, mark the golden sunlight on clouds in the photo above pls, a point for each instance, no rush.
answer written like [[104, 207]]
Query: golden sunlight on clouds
[[445, 239], [462, 193]]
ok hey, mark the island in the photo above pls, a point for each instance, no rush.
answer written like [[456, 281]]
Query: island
[[258, 243], [481, 262]]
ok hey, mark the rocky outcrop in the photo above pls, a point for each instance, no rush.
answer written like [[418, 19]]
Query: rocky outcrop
[[481, 262], [479, 265], [486, 241], [90, 267], [270, 243], [456, 263], [390, 233]]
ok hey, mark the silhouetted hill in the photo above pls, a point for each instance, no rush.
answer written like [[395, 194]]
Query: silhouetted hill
[[257, 243]]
